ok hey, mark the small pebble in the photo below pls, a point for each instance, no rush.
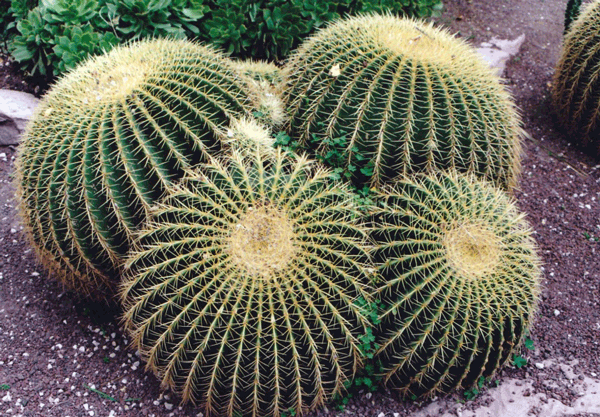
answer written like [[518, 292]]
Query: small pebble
[[539, 365]]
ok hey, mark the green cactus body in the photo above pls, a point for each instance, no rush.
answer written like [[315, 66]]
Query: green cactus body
[[576, 100], [408, 97], [571, 13], [245, 296], [459, 281], [106, 142]]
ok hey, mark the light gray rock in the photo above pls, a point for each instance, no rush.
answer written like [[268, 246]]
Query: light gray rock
[[497, 52], [16, 108]]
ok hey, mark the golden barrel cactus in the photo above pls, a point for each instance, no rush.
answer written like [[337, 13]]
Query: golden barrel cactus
[[107, 141], [245, 296], [406, 97], [575, 84], [460, 280]]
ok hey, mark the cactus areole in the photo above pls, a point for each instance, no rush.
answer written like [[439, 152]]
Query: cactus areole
[[408, 98]]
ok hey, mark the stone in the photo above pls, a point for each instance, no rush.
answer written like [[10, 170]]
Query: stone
[[497, 52], [16, 108]]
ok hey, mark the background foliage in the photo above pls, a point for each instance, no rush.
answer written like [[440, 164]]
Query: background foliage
[[52, 36]]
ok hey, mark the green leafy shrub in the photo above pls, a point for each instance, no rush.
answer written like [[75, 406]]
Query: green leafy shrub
[[106, 143], [270, 29], [56, 35], [135, 19], [576, 79], [390, 96], [460, 280], [243, 298], [259, 29], [12, 12]]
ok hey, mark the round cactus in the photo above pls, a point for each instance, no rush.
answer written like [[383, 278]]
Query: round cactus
[[575, 81], [459, 281], [246, 295], [247, 136], [406, 97], [260, 71], [107, 141], [266, 83]]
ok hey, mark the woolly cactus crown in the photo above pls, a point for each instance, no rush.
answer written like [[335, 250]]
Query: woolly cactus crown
[[107, 141], [409, 97], [243, 297], [460, 279]]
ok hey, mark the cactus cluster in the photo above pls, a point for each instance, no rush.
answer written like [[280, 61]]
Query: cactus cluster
[[248, 271], [243, 298], [460, 282], [408, 97], [107, 141], [575, 82]]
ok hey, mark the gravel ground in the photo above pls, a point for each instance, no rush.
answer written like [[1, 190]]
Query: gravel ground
[[61, 356]]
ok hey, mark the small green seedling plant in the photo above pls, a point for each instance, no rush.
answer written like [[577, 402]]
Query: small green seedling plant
[[473, 392], [4, 387], [369, 377]]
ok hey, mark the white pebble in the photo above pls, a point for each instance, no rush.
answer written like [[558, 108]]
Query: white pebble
[[7, 397], [169, 406], [539, 365], [556, 312]]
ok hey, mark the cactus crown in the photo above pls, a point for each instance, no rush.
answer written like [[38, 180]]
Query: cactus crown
[[460, 281], [408, 97], [108, 140], [243, 297]]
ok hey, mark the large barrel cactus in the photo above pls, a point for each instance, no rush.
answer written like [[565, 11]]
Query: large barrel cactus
[[107, 141], [405, 97], [460, 282], [575, 84], [246, 296]]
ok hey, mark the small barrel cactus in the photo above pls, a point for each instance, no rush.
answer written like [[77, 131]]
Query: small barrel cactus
[[407, 98], [107, 141], [459, 281], [246, 297], [266, 86], [248, 135], [260, 71], [576, 100]]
